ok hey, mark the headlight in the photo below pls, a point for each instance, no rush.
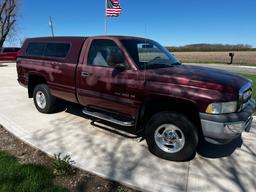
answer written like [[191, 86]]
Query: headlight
[[219, 108]]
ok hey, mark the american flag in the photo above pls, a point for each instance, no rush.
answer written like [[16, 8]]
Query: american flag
[[113, 8]]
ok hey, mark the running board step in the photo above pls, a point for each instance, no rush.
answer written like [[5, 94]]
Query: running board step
[[109, 117]]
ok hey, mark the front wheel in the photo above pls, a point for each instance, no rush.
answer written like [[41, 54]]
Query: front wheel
[[171, 136], [44, 101]]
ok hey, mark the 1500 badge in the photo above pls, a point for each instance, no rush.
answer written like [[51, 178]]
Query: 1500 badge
[[125, 95]]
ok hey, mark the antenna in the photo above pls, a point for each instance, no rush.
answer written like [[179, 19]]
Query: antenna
[[145, 30]]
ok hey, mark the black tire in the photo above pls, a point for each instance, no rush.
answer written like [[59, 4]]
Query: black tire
[[187, 150], [49, 106]]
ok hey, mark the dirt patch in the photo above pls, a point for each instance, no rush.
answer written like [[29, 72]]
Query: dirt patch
[[81, 181]]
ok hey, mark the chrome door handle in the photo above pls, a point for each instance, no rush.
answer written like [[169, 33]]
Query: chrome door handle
[[85, 74]]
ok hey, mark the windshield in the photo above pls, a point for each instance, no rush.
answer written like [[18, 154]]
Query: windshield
[[148, 54]]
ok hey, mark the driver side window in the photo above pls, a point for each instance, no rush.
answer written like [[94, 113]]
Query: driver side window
[[105, 53]]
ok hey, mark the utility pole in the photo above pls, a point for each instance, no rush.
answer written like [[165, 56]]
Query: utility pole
[[106, 21], [51, 25]]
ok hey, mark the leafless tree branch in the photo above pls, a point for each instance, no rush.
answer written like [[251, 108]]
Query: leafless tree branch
[[7, 18]]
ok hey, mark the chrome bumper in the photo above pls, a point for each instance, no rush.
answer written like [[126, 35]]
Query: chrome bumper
[[221, 129]]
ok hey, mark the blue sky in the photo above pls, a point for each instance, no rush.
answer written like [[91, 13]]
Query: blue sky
[[171, 22]]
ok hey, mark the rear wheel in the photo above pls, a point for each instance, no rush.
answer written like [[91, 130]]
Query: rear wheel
[[171, 136], [44, 101]]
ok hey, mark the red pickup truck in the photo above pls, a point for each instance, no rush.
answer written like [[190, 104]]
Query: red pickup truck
[[137, 83], [8, 53]]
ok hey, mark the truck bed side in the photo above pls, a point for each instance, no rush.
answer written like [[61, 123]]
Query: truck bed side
[[57, 72]]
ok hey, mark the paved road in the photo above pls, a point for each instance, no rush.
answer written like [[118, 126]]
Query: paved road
[[231, 68], [122, 157]]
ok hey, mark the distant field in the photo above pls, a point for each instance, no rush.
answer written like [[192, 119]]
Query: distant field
[[240, 58]]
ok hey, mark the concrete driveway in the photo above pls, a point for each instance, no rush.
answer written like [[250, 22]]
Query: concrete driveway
[[121, 156]]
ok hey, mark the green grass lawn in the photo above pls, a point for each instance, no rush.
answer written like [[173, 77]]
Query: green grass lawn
[[16, 177], [253, 78]]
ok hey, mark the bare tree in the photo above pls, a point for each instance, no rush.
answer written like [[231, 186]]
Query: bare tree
[[7, 18]]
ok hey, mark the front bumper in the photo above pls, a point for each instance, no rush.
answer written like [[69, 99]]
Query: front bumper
[[221, 129]]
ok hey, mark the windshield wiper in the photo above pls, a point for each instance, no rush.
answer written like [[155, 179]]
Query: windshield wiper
[[157, 65], [177, 63]]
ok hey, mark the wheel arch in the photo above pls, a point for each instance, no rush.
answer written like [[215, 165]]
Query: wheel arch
[[34, 79], [153, 105]]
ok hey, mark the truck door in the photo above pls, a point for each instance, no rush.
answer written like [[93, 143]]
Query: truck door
[[106, 80]]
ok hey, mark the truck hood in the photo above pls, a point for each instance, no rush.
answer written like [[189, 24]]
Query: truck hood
[[202, 77]]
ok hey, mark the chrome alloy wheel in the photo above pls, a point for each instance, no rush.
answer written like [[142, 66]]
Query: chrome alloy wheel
[[169, 138], [40, 99]]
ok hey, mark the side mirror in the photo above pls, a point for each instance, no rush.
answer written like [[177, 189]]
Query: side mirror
[[120, 67]]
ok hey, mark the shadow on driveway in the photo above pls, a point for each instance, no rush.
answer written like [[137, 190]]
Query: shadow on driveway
[[204, 149], [111, 151]]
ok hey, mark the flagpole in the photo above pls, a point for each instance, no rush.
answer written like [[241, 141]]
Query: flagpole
[[51, 25], [106, 24]]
